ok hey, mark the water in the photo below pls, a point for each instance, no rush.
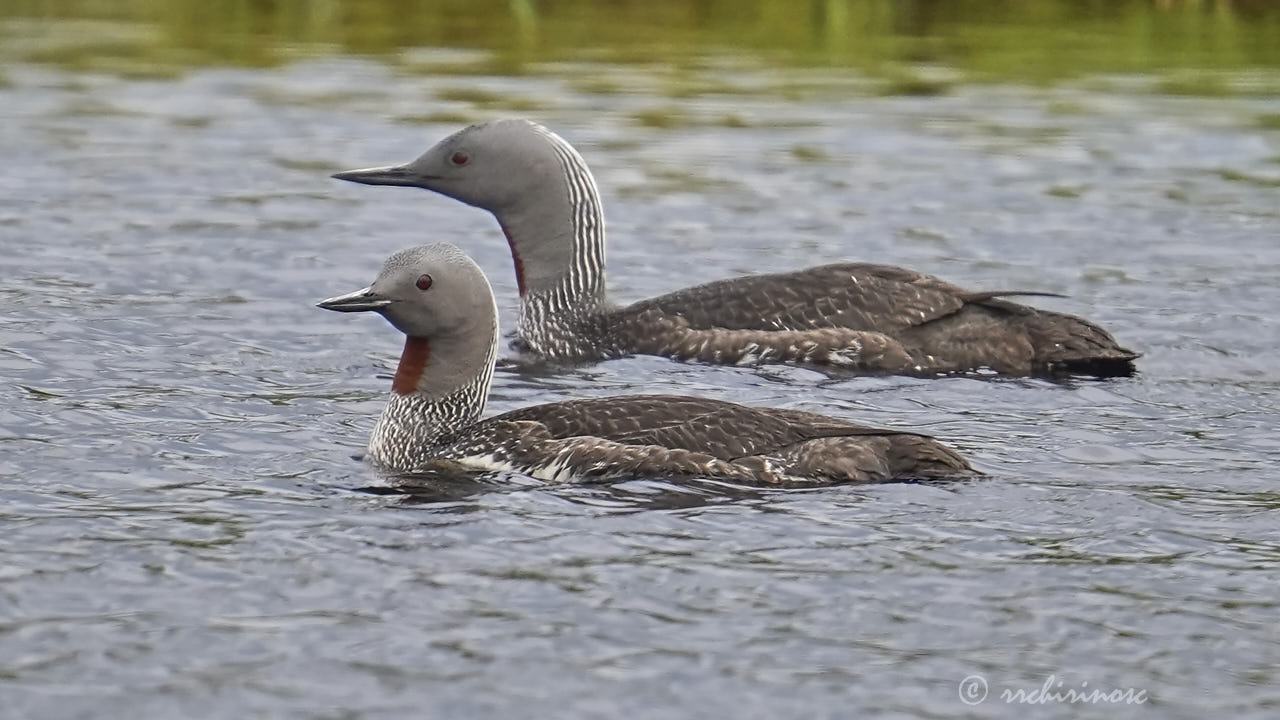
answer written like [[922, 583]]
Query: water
[[181, 532]]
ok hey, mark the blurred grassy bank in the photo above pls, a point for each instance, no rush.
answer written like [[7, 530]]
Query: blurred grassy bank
[[1038, 41]]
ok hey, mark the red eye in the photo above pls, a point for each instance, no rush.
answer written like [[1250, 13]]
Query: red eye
[[424, 282], [459, 158]]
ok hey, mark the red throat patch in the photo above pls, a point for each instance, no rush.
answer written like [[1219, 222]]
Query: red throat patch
[[515, 257], [413, 362]]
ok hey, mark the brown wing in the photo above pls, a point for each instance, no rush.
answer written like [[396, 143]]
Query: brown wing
[[858, 296], [942, 327], [720, 429]]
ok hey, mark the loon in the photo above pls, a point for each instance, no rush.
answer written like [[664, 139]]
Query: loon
[[873, 319], [440, 299]]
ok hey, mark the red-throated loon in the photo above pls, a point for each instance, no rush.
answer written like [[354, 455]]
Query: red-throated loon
[[868, 318], [439, 298]]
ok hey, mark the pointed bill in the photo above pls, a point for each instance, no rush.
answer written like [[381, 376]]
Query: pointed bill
[[362, 300], [389, 175]]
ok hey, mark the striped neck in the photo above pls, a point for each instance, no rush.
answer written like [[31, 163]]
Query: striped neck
[[556, 235], [553, 326], [439, 388]]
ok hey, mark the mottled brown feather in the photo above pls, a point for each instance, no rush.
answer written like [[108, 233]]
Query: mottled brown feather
[[899, 320], [672, 435]]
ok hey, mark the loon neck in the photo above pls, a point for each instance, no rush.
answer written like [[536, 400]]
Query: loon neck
[[439, 387], [556, 232], [413, 365]]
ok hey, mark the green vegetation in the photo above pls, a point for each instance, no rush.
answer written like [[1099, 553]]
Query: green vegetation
[[900, 81], [314, 167], [1237, 176], [93, 108], [1200, 84], [1065, 191], [807, 153], [1066, 107], [1189, 43], [192, 121], [488, 100], [437, 118], [596, 85], [1030, 134], [664, 118]]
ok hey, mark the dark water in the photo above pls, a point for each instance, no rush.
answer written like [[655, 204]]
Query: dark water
[[180, 533]]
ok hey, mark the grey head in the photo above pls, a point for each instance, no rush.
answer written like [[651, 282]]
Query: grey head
[[495, 166], [539, 189], [428, 291], [435, 293]]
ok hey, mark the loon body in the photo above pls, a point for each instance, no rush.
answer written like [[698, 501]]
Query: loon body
[[869, 318], [441, 300]]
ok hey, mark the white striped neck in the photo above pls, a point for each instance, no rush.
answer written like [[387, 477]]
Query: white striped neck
[[439, 388], [557, 236], [553, 325]]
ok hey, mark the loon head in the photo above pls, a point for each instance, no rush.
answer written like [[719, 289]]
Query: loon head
[[535, 184], [494, 166], [440, 299]]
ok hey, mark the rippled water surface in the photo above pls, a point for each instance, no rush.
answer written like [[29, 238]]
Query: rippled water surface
[[182, 530]]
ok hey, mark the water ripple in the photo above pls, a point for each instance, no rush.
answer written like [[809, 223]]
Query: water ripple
[[187, 532]]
